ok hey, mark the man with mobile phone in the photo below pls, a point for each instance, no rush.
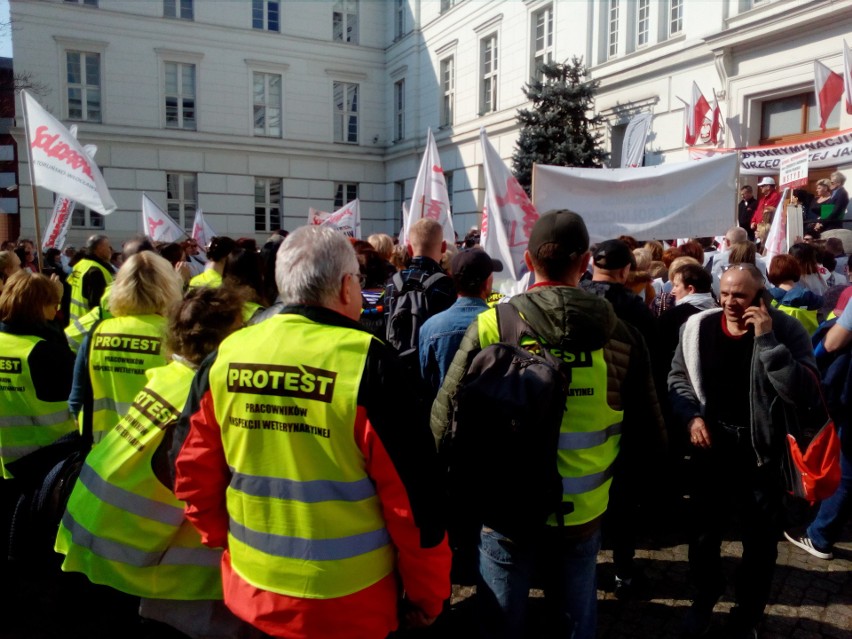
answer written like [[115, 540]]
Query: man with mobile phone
[[737, 373]]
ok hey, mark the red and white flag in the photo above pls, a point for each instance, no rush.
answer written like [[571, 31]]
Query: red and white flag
[[696, 111], [430, 198], [347, 219], [508, 215], [847, 76], [59, 163], [828, 87], [202, 232], [776, 239], [716, 125], [63, 208], [158, 224]]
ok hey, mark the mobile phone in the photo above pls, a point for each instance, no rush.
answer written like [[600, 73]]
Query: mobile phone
[[764, 295]]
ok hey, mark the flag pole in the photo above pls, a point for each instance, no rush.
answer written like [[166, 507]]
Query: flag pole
[[32, 182]]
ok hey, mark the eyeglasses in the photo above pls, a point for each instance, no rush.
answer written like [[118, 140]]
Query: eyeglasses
[[743, 266], [362, 279]]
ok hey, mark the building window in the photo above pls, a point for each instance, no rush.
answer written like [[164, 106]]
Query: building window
[[84, 86], [399, 19], [346, 112], [793, 116], [542, 40], [344, 192], [399, 110], [398, 201], [448, 179], [612, 29], [83, 218], [267, 104], [265, 15], [181, 9], [180, 95], [446, 5], [345, 21], [448, 90], [267, 204], [488, 66], [88, 3], [643, 22], [182, 198], [675, 17]]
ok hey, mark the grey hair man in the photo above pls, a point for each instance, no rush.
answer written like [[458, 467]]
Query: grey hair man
[[733, 235], [290, 455]]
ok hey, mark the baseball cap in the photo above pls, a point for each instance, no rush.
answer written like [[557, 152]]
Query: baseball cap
[[562, 227], [612, 255], [767, 181], [474, 265]]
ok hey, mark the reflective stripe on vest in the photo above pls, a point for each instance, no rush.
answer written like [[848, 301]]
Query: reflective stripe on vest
[[591, 428], [310, 524], [26, 422], [79, 306], [79, 327], [122, 527], [122, 350]]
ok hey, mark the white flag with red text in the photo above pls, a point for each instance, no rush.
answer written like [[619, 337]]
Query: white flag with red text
[[347, 219], [828, 87], [202, 232], [508, 215], [696, 111], [847, 76], [430, 198], [60, 163], [157, 224], [776, 239]]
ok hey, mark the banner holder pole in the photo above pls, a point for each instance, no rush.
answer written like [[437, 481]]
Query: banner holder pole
[[32, 182]]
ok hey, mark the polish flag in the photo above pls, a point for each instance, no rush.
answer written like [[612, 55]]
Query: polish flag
[[716, 121], [696, 111], [828, 87], [847, 76]]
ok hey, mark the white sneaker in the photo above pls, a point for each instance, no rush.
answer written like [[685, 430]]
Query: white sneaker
[[804, 542]]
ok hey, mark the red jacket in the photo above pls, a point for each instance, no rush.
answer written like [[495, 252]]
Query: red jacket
[[770, 200], [400, 459]]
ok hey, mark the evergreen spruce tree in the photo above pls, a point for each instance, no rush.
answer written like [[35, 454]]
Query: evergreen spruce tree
[[559, 129]]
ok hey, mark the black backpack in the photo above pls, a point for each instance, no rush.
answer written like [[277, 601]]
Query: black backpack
[[409, 309], [505, 424]]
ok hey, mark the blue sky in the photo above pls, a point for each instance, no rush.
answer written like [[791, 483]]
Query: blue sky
[[6, 36]]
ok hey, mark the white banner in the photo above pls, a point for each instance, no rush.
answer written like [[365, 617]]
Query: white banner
[[633, 147], [347, 219], [202, 232], [430, 198], [508, 215], [60, 163], [650, 202], [824, 152], [794, 170], [158, 224]]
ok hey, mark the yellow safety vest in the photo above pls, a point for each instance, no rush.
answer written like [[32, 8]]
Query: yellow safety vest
[[122, 349], [78, 329], [79, 306], [26, 422], [591, 429], [122, 527], [305, 520], [210, 277], [807, 318]]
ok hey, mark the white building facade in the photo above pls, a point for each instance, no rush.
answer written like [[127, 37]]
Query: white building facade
[[256, 110]]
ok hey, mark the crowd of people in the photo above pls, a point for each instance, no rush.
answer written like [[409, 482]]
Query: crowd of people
[[272, 427]]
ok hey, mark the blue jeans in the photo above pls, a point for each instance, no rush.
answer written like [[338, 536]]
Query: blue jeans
[[505, 576], [834, 511]]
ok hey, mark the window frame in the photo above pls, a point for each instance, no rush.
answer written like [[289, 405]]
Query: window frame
[[267, 77], [342, 191], [268, 205], [399, 110], [182, 201], [543, 55], [83, 86], [679, 7], [179, 95], [489, 73], [265, 8], [613, 18], [643, 23], [804, 133], [448, 90], [345, 114], [88, 216], [347, 12], [179, 10], [83, 3], [399, 19]]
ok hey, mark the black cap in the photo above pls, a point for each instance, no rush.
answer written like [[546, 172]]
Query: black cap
[[565, 228], [612, 255], [474, 266]]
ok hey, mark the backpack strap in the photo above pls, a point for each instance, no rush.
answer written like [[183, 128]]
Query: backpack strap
[[511, 327]]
